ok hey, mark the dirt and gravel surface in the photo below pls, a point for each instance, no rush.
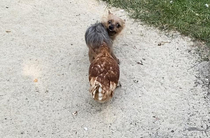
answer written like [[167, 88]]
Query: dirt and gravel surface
[[44, 76]]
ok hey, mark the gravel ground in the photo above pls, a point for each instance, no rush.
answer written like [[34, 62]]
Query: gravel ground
[[44, 76]]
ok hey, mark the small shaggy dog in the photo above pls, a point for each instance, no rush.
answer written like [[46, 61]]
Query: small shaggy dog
[[106, 31]]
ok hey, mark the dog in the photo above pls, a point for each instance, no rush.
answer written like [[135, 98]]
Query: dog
[[95, 36], [104, 74]]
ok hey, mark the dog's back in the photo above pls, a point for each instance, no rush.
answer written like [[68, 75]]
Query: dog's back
[[96, 35]]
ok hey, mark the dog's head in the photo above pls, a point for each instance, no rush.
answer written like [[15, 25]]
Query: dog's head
[[113, 24]]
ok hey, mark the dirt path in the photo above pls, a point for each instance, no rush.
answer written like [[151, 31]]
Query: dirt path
[[44, 77]]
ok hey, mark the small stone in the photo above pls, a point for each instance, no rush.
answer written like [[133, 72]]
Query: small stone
[[35, 80], [136, 81], [75, 113], [140, 62]]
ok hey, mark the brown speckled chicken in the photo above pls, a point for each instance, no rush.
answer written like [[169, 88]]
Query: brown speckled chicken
[[103, 74]]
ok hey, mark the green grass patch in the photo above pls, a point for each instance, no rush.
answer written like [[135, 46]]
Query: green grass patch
[[190, 17]]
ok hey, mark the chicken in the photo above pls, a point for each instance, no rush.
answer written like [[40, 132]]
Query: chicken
[[104, 74]]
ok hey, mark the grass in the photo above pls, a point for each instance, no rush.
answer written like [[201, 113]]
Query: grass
[[189, 17]]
